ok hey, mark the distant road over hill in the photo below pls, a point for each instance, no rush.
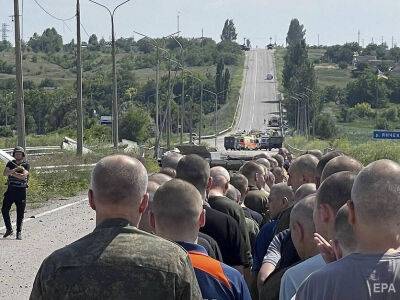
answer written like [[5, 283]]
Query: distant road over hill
[[259, 95]]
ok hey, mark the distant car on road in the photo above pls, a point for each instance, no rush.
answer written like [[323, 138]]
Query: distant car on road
[[269, 76], [270, 46]]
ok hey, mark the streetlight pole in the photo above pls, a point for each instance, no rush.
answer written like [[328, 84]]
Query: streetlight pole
[[114, 71], [215, 112], [158, 48]]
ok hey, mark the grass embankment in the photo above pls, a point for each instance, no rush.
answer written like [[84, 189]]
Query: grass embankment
[[365, 152], [327, 74], [227, 111], [45, 186]]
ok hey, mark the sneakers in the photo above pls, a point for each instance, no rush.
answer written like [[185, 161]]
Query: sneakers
[[8, 233], [19, 235]]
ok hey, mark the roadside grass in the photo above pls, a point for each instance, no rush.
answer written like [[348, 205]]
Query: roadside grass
[[314, 54], [365, 152], [44, 186], [227, 111]]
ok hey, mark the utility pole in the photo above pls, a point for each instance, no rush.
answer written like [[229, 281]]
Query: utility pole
[[79, 108], [318, 40], [191, 117], [114, 72], [392, 42], [19, 79], [201, 112], [359, 35], [157, 102], [4, 30], [178, 22]]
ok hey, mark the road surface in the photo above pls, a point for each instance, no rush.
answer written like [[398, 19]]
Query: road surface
[[258, 95]]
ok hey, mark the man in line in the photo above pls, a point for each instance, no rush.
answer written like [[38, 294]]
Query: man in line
[[222, 228], [302, 230], [280, 199], [373, 270], [339, 164], [177, 215], [256, 197], [217, 200], [117, 260], [17, 172]]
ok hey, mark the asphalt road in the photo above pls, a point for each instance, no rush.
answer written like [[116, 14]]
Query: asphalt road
[[258, 96]]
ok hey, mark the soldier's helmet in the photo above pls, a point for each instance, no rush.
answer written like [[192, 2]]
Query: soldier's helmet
[[20, 150]]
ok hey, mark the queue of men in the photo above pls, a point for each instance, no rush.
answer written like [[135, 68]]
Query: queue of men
[[311, 227]]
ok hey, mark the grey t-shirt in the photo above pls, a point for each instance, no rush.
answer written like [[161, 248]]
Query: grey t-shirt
[[356, 276]]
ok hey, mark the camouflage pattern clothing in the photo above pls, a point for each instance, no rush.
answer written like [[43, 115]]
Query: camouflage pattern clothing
[[117, 261]]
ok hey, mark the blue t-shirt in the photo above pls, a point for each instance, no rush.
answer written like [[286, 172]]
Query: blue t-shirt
[[263, 240], [216, 280]]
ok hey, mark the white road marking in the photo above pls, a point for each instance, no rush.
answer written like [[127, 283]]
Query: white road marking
[[49, 212]]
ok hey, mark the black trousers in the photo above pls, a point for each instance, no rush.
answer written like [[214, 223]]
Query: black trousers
[[17, 196]]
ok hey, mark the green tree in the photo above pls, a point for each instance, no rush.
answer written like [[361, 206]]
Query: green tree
[[325, 126], [93, 43], [5, 45], [296, 33], [229, 31], [50, 41], [135, 124]]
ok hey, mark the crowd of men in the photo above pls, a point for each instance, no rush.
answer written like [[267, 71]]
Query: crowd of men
[[311, 227]]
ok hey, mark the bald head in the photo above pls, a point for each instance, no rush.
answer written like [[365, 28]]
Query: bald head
[[280, 198], [322, 163], [177, 206], [144, 221], [159, 178], [339, 164], [376, 195], [302, 170], [220, 176], [119, 180], [273, 162], [168, 171], [304, 191], [195, 170], [170, 160], [279, 174]]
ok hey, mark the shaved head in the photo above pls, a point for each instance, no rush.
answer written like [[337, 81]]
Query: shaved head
[[233, 193], [273, 162], [168, 171], [250, 169], [220, 175], [376, 194], [303, 212], [279, 158], [264, 162], [195, 170], [341, 163], [302, 170], [344, 233], [304, 191], [119, 180], [325, 159], [159, 178], [317, 153], [302, 227], [336, 190], [240, 182], [177, 206], [170, 160], [279, 174], [280, 198]]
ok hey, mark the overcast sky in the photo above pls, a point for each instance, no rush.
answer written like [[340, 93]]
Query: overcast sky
[[335, 21]]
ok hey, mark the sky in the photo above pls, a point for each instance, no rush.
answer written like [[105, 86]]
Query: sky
[[334, 21]]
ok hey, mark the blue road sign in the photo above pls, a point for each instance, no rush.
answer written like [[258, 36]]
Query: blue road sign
[[386, 135]]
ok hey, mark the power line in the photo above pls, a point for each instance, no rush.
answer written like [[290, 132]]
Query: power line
[[84, 29], [51, 15]]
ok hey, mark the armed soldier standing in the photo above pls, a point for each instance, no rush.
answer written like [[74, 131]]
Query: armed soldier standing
[[17, 172]]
